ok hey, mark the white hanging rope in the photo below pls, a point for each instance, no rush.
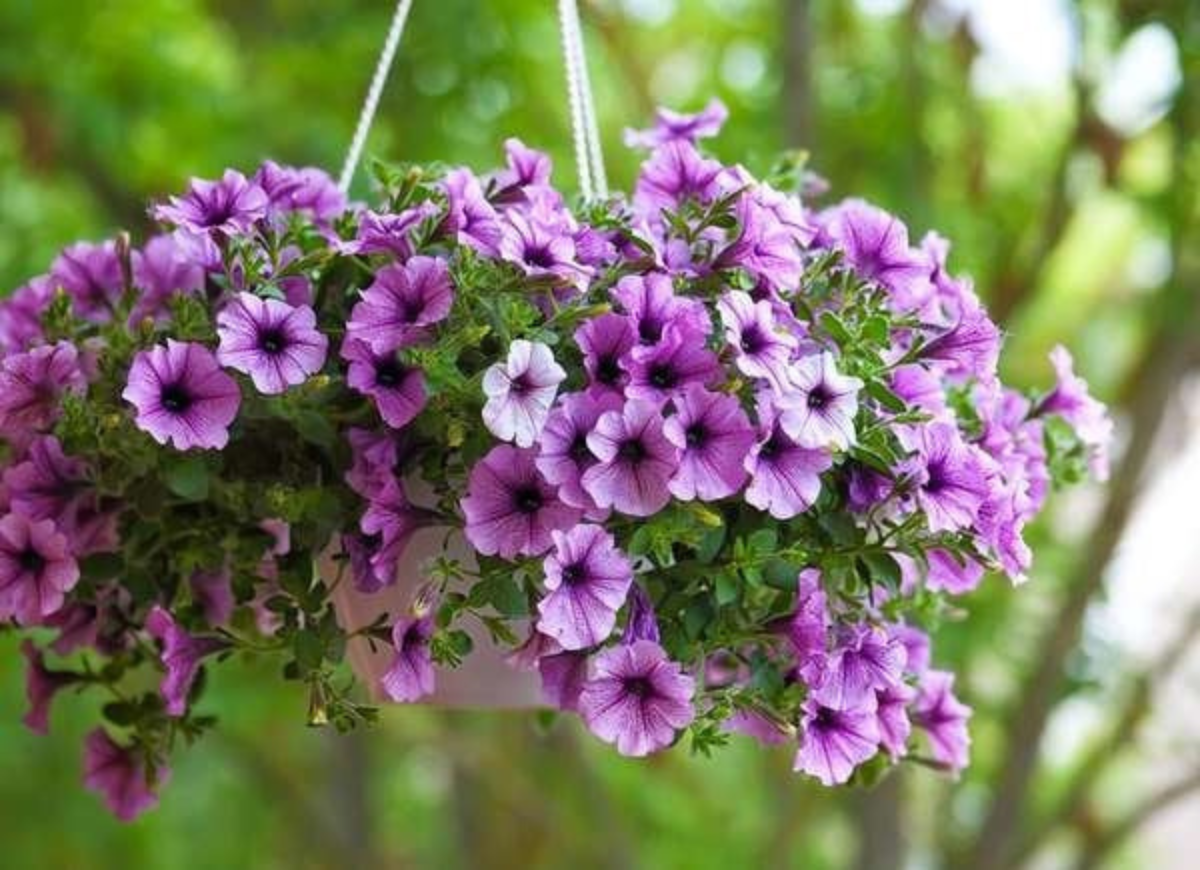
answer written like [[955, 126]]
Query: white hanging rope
[[591, 126], [367, 115], [575, 98]]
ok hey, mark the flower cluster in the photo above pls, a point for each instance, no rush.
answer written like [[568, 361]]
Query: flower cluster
[[720, 457]]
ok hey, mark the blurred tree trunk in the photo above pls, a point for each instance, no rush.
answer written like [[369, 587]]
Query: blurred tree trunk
[[796, 95], [878, 820]]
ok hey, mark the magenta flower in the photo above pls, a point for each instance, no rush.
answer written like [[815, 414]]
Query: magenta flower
[[275, 344], [32, 384], [672, 126], [41, 685], [510, 508], [564, 455], [666, 370], [969, 348], [763, 350], [541, 249], [1071, 400], [161, 270], [375, 458], [411, 675], [649, 301], [119, 775], [604, 342], [587, 579], [638, 698], [818, 407], [714, 436], [875, 245], [636, 461], [944, 719], [891, 713], [950, 477], [835, 742], [764, 247], [36, 569], [785, 478], [864, 660], [182, 396], [520, 392], [470, 217], [563, 677], [401, 304], [182, 655], [229, 206], [948, 574], [92, 276], [398, 390]]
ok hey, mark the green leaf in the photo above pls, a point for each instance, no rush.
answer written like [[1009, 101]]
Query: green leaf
[[726, 588], [188, 478], [315, 428], [836, 328], [878, 391]]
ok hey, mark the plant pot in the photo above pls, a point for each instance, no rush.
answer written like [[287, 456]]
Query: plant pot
[[484, 679]]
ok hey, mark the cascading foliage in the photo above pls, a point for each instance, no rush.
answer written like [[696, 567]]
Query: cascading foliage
[[722, 456]]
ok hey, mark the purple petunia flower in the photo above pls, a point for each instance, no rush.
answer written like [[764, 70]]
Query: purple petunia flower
[[520, 392], [92, 276], [864, 660], [785, 478], [182, 655], [398, 390], [808, 630], [665, 370], [563, 677], [510, 508], [389, 233], [300, 189], [119, 775], [527, 167], [649, 301], [411, 675], [470, 218], [401, 304], [1071, 400], [275, 344], [21, 315], [213, 592], [604, 342], [41, 685], [714, 436], [587, 579], [764, 247], [672, 126], [818, 407], [32, 384], [390, 521], [541, 248], [891, 713], [229, 206], [969, 348], [564, 455], [875, 245], [763, 350], [950, 477], [636, 461], [182, 396], [835, 742], [675, 174], [948, 574], [49, 485], [944, 719], [638, 698], [162, 269], [642, 623], [36, 569]]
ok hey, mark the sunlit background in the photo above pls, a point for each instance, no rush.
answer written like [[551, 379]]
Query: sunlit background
[[1056, 143]]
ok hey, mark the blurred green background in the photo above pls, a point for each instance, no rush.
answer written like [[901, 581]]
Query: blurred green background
[[1054, 142]]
